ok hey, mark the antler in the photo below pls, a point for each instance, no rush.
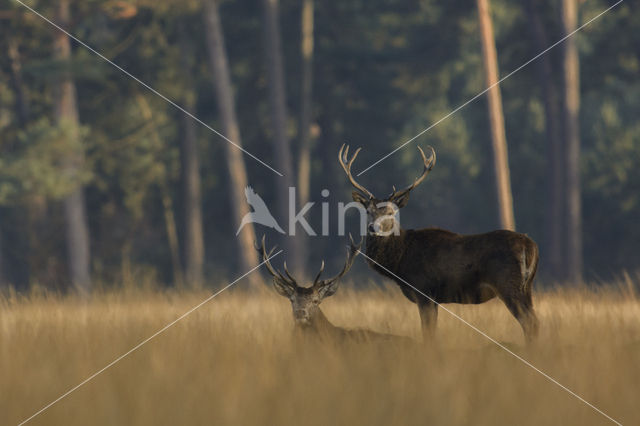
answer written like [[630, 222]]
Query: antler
[[428, 165], [343, 158], [288, 280], [354, 249], [315, 281]]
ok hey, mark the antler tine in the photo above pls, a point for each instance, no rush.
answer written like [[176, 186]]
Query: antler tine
[[288, 274], [266, 259], [428, 165], [352, 252], [343, 158], [266, 256], [344, 152], [354, 246], [315, 281]]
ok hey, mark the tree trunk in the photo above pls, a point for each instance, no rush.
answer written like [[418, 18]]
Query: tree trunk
[[573, 208], [22, 113], [304, 156], [172, 235], [193, 229], [167, 201], [38, 228], [193, 237], [554, 215], [237, 172], [295, 251], [304, 162], [66, 113], [496, 117], [22, 105], [3, 278]]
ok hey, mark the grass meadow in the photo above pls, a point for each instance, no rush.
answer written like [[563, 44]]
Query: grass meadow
[[234, 361]]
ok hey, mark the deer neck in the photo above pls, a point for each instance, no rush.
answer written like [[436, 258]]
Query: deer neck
[[319, 324], [386, 251]]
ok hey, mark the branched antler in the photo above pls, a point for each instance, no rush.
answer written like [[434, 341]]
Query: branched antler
[[285, 280], [343, 158], [353, 251], [428, 165]]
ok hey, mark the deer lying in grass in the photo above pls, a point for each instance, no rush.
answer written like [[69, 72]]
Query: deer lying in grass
[[445, 266], [305, 301]]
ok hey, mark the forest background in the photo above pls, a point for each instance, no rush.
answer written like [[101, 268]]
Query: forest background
[[103, 182]]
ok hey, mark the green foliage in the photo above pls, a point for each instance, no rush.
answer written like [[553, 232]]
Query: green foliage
[[43, 163]]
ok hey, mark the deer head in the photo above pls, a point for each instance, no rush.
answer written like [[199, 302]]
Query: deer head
[[305, 300], [382, 213]]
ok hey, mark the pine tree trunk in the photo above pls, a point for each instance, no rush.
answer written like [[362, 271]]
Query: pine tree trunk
[[193, 229], [3, 278], [304, 162], [66, 113], [573, 207], [15, 62], [496, 117], [294, 249], [22, 113], [193, 238], [304, 156], [172, 235], [38, 228], [237, 172], [554, 230]]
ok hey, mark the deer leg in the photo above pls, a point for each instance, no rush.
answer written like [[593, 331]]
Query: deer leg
[[428, 318], [521, 307], [529, 315]]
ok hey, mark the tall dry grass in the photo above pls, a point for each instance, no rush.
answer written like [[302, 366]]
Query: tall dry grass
[[234, 361]]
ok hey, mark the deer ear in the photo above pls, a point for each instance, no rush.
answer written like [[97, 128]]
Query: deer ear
[[282, 288], [401, 200], [359, 198], [326, 289]]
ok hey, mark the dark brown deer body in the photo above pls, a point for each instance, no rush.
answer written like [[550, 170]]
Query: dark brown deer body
[[445, 266]]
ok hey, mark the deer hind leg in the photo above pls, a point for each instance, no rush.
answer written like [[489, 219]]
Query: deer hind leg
[[531, 320], [428, 318], [521, 307]]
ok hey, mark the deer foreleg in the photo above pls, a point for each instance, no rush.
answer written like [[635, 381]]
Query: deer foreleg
[[428, 318]]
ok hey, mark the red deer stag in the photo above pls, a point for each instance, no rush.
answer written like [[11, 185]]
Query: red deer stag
[[305, 301], [447, 267]]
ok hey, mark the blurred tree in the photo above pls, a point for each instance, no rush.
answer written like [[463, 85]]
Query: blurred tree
[[21, 108], [610, 138], [496, 117], [554, 254], [166, 198], [3, 279], [306, 114], [237, 172], [294, 247], [194, 233], [306, 102], [573, 206], [17, 81], [66, 113]]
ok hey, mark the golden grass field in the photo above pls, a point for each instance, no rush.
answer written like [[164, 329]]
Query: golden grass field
[[234, 361]]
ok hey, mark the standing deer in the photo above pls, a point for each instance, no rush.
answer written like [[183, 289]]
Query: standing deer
[[305, 301], [446, 266]]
